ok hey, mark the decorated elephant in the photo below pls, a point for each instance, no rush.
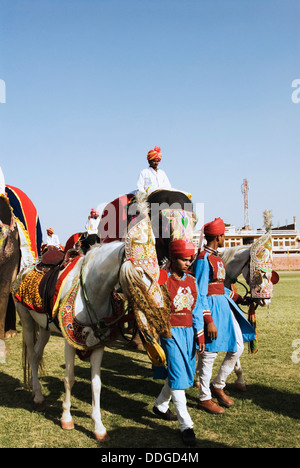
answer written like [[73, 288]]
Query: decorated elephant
[[20, 242]]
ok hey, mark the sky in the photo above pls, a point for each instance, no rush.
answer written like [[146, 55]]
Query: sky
[[90, 86]]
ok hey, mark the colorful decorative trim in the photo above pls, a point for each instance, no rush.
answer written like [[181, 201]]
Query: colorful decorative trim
[[27, 217], [28, 293]]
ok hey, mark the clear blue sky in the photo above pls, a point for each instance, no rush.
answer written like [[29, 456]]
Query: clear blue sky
[[92, 85]]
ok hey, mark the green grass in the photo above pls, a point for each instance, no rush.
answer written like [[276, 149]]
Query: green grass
[[266, 416]]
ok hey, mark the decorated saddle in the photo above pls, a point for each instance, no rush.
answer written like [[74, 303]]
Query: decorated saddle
[[39, 287]]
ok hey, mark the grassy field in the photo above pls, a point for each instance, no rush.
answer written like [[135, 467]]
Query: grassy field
[[266, 416]]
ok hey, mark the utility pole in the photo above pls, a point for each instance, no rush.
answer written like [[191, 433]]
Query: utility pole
[[245, 189]]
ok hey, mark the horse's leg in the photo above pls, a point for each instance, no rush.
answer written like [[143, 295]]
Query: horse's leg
[[34, 352], [240, 382], [96, 360], [66, 419], [197, 378]]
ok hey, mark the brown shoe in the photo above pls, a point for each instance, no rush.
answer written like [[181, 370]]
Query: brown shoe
[[221, 396], [210, 406]]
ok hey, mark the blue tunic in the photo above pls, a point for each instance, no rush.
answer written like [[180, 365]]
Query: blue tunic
[[180, 350], [220, 307]]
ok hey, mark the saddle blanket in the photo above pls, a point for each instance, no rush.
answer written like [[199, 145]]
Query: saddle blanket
[[29, 291], [85, 337]]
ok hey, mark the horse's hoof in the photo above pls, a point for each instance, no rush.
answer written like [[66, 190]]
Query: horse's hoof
[[40, 407], [240, 387], [11, 334], [67, 425], [101, 437]]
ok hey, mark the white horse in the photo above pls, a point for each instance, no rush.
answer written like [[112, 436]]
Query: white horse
[[101, 269]]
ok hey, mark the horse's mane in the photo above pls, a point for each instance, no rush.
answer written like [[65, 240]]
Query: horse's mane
[[142, 203], [235, 259], [230, 253]]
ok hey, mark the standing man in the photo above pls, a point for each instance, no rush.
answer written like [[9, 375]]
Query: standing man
[[187, 331], [2, 183], [153, 178], [226, 328]]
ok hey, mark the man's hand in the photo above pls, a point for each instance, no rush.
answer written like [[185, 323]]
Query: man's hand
[[212, 331]]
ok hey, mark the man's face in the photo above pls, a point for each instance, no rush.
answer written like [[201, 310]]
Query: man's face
[[154, 163], [181, 265], [221, 240]]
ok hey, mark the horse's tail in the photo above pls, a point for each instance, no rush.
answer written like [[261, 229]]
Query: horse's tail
[[148, 315]]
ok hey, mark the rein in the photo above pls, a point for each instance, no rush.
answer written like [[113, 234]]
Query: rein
[[102, 325], [234, 281]]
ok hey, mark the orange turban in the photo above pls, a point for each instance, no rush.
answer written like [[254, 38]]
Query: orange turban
[[50, 230], [180, 248], [154, 153], [215, 228]]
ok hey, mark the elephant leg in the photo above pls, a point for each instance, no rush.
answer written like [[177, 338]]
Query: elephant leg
[[10, 321], [5, 291]]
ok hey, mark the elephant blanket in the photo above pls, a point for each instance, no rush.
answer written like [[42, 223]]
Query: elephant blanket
[[28, 223]]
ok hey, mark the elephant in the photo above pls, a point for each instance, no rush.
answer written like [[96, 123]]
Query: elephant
[[10, 255], [20, 245]]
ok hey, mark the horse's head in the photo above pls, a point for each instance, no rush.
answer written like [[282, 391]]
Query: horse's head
[[141, 280], [255, 264]]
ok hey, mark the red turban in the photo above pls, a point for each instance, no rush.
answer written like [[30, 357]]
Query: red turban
[[154, 154], [180, 248], [94, 212], [215, 228]]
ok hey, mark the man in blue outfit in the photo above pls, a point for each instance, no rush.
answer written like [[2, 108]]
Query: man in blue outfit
[[187, 331], [226, 328]]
